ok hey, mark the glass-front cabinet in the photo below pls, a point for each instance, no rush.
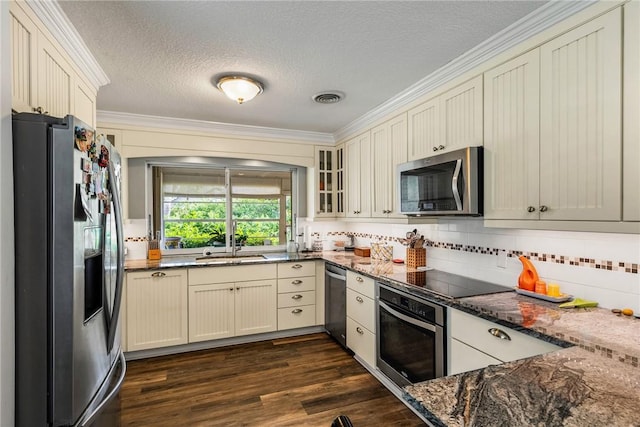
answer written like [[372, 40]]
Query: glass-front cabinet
[[329, 182]]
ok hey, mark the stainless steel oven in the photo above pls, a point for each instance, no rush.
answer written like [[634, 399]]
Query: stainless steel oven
[[410, 337]]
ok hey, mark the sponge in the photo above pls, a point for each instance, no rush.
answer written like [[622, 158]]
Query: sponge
[[578, 303]]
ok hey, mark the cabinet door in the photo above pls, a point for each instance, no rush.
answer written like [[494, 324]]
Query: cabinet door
[[339, 207], [23, 60], [211, 311], [388, 149], [580, 129], [84, 102], [256, 307], [512, 138], [325, 164], [54, 80], [156, 309], [358, 153], [424, 129], [631, 118], [461, 115]]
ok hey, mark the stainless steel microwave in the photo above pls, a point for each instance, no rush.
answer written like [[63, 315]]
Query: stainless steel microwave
[[444, 184]]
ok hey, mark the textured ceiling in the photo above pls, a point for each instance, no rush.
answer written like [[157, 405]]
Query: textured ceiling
[[163, 57]]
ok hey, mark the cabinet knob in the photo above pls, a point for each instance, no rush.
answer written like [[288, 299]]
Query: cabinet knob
[[158, 274], [499, 333], [359, 330], [39, 110], [296, 282], [296, 297], [440, 147], [296, 311], [435, 148], [238, 288], [359, 299], [543, 208], [531, 209], [359, 279], [296, 266]]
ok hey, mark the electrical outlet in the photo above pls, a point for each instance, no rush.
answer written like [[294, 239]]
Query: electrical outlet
[[502, 259]]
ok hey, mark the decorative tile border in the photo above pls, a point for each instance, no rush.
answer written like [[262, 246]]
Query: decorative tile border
[[625, 267], [136, 239]]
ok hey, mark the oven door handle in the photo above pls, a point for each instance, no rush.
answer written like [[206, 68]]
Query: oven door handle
[[336, 276], [418, 323]]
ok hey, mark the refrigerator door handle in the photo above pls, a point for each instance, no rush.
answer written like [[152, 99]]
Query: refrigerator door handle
[[86, 421], [115, 315]]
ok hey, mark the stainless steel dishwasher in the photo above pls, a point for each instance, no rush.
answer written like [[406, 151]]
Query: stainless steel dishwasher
[[335, 305]]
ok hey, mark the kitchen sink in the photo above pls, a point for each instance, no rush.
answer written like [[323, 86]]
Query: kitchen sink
[[214, 259]]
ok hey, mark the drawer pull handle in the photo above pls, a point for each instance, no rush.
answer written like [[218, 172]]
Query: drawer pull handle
[[359, 299], [296, 311], [500, 334], [296, 266], [297, 296], [158, 274], [359, 279], [359, 330], [296, 282]]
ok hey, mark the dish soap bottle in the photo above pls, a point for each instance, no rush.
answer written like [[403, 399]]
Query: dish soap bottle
[[529, 275]]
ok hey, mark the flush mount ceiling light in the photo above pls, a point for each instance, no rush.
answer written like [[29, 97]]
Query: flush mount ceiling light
[[240, 89]]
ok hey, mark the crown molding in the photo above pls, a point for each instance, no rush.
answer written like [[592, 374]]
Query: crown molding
[[57, 22], [537, 21], [171, 123]]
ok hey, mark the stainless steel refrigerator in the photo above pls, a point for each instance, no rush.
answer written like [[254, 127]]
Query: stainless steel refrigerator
[[69, 273]]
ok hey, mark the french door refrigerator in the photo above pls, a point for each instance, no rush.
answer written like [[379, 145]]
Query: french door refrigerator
[[69, 273]]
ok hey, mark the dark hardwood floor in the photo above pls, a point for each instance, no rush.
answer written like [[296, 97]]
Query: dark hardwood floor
[[300, 381]]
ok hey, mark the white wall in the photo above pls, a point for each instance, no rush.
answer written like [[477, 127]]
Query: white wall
[[6, 229], [613, 288]]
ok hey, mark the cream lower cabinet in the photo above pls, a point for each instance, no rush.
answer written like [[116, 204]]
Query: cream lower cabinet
[[361, 317], [221, 306], [296, 295], [156, 309], [552, 128], [476, 343]]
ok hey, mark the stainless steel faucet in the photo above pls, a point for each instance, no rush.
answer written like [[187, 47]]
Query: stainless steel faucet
[[234, 227]]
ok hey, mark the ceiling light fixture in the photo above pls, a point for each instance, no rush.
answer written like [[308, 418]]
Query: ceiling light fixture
[[238, 88]]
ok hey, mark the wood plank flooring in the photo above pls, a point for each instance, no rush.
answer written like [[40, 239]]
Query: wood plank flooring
[[300, 381]]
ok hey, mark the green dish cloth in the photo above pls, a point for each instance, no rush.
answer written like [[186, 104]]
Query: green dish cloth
[[578, 302]]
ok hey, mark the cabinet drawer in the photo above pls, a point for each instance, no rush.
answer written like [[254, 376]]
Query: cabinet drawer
[[463, 358], [363, 284], [296, 269], [241, 273], [361, 341], [297, 284], [474, 331], [291, 299], [361, 309], [296, 317]]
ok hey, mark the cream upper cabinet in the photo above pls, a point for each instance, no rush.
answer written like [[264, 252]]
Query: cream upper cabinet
[[43, 78], [388, 149], [552, 128], [461, 115], [358, 155], [580, 126], [324, 179], [156, 309], [450, 121], [424, 129], [511, 138], [23, 60], [340, 187], [631, 117]]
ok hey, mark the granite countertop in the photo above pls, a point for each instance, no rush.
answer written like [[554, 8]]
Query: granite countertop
[[595, 382]]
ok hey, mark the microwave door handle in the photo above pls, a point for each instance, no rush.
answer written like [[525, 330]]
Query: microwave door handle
[[454, 184]]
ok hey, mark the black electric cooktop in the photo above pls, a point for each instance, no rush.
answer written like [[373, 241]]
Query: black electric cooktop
[[451, 285]]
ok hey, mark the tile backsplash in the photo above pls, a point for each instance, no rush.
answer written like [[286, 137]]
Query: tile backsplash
[[603, 267]]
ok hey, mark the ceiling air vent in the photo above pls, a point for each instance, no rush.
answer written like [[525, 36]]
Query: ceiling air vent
[[328, 97]]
